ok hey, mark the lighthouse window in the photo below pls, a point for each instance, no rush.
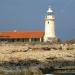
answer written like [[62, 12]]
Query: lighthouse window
[[48, 22]]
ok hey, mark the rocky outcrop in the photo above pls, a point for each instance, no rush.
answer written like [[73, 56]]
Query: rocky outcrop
[[24, 58]]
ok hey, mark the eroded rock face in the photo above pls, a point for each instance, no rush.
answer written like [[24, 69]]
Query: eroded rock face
[[34, 67], [39, 57]]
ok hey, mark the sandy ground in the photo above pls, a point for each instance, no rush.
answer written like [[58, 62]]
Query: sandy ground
[[20, 52]]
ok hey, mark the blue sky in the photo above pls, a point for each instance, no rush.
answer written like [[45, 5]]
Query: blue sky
[[28, 15]]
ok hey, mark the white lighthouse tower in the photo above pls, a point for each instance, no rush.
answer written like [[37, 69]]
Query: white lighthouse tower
[[49, 26]]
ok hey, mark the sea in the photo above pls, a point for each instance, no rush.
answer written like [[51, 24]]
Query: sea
[[62, 74], [42, 74]]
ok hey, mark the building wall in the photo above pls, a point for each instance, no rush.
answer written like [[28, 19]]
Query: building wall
[[22, 40]]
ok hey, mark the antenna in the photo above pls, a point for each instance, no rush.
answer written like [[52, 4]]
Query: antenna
[[49, 6], [49, 10]]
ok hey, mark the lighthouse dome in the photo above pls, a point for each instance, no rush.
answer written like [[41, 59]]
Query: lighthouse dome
[[49, 11]]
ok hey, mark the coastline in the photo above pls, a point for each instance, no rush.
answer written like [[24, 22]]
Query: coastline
[[45, 58]]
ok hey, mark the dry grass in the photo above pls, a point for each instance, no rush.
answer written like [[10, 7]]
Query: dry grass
[[11, 52]]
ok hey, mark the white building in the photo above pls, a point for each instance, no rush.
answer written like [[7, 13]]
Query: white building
[[37, 36], [49, 26]]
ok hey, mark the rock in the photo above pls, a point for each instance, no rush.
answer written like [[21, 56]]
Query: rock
[[35, 71]]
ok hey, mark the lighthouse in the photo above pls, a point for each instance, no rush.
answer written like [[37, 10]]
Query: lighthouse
[[49, 26]]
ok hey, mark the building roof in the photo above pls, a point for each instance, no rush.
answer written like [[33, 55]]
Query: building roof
[[15, 35], [49, 10]]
